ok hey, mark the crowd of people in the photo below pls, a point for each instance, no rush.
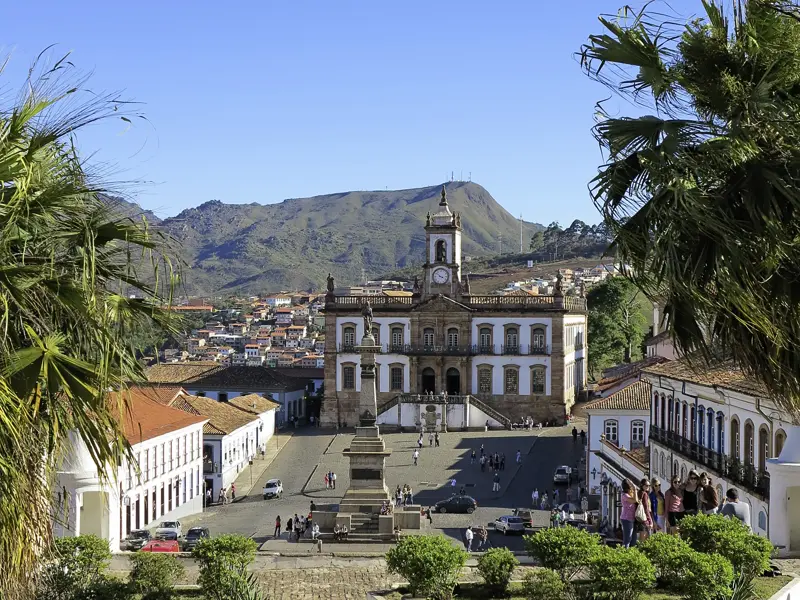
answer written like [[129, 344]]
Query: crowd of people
[[477, 534], [297, 527], [646, 509]]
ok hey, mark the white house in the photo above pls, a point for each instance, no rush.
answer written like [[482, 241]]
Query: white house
[[718, 421], [235, 433], [163, 482], [617, 435]]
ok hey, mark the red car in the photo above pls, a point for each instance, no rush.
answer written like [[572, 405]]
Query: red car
[[161, 546]]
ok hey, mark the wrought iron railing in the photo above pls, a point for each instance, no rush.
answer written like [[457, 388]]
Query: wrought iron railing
[[556, 302], [747, 476]]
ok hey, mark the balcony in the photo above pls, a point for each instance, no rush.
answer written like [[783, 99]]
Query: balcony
[[427, 350], [510, 350], [210, 467], [746, 476]]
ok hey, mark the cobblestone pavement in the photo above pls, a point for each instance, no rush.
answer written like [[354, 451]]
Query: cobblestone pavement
[[311, 452]]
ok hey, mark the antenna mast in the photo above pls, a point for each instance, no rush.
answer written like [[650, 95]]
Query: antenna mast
[[520, 233]]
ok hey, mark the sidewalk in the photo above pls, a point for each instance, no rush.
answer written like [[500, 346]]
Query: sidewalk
[[248, 477]]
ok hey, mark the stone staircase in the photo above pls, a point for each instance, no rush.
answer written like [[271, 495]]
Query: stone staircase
[[363, 524], [490, 411]]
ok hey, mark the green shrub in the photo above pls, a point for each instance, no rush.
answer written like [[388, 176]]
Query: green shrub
[[621, 573], [565, 550], [704, 576], [154, 575], [666, 553], [223, 563], [496, 566], [430, 564], [747, 552], [543, 583], [74, 567]]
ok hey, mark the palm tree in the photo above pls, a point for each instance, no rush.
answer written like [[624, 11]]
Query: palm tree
[[702, 194], [68, 268]]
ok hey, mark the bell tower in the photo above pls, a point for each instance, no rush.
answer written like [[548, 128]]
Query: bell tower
[[443, 258]]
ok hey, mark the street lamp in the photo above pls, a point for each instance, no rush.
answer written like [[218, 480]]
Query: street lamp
[[594, 473]]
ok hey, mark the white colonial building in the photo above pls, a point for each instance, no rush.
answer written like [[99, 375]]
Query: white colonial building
[[162, 483], [618, 430], [720, 422]]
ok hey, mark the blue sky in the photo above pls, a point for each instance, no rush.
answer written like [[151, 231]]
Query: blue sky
[[262, 101]]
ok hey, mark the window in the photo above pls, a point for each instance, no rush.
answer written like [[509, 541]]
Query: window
[[486, 338], [349, 336], [683, 471], [441, 251], [736, 452], [512, 337], [376, 334], [427, 337], [538, 339], [349, 377], [664, 465], [538, 374], [511, 381], [637, 434], [397, 378], [749, 443], [780, 439], [485, 380], [452, 337], [611, 429], [397, 336], [147, 464]]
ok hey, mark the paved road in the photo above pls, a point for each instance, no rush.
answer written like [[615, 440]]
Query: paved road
[[317, 451]]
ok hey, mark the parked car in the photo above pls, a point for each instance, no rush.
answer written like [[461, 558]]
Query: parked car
[[193, 537], [456, 504], [168, 530], [526, 514], [509, 524], [136, 539], [272, 489], [161, 546], [563, 474]]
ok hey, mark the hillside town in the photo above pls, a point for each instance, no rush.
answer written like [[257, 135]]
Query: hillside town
[[394, 392]]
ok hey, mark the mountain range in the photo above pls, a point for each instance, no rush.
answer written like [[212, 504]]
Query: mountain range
[[294, 244]]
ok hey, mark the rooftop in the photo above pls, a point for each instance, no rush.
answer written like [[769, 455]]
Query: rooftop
[[145, 418], [722, 373], [223, 417], [253, 403], [635, 396]]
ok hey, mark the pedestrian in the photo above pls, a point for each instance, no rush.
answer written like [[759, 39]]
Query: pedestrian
[[398, 497], [221, 496], [453, 484], [410, 495], [462, 491], [482, 450], [430, 439], [416, 457], [472, 458], [419, 442], [584, 505], [486, 426], [289, 527], [630, 499], [491, 462], [503, 461], [208, 497], [436, 439], [574, 435], [519, 457], [735, 509], [429, 515], [483, 463], [233, 492], [334, 480], [277, 532], [468, 535], [544, 502], [327, 481], [569, 494], [709, 497], [535, 497], [496, 484]]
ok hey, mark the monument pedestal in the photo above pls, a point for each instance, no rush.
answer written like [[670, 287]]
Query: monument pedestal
[[367, 455]]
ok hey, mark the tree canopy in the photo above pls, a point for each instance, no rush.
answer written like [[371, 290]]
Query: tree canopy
[[701, 192], [616, 323]]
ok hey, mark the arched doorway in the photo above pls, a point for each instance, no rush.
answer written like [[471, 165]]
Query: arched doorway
[[453, 382], [428, 380]]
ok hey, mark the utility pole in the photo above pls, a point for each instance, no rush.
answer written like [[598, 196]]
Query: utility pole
[[520, 233]]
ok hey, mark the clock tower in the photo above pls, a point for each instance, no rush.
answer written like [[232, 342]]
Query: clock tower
[[443, 243]]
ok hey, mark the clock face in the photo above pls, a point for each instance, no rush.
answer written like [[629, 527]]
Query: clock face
[[441, 276]]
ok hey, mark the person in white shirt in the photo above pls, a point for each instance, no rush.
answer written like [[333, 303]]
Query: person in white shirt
[[416, 457], [314, 531], [468, 535], [535, 497]]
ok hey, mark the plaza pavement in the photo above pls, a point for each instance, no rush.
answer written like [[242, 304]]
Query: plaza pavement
[[311, 452]]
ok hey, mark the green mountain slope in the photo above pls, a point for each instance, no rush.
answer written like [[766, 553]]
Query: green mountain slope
[[233, 248]]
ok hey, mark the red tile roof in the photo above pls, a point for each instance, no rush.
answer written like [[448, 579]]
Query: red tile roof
[[145, 418], [635, 396]]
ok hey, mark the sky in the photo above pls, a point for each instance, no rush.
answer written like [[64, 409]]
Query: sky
[[263, 101]]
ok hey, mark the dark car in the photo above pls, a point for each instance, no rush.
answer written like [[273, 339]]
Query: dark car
[[136, 539], [193, 537], [456, 504]]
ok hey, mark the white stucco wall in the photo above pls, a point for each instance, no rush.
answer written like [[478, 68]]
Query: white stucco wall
[[524, 324], [596, 428], [524, 362]]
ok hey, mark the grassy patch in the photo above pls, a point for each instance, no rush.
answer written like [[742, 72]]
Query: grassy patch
[[765, 588]]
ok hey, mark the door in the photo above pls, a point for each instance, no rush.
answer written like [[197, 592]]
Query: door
[[793, 517], [428, 380], [453, 382]]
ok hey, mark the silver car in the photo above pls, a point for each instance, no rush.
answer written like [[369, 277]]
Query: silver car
[[509, 524], [563, 474]]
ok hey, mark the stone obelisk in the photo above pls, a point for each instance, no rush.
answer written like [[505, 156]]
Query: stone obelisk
[[367, 452]]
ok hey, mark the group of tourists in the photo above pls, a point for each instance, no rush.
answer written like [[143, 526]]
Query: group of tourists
[[646, 509], [297, 527], [477, 534], [404, 496], [222, 497], [330, 480]]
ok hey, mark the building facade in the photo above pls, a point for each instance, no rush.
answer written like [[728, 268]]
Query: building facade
[[163, 482], [521, 355]]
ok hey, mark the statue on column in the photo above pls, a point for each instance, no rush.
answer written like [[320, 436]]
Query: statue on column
[[366, 313], [559, 291], [330, 284]]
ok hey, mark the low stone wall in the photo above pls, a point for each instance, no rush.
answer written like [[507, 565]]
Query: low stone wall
[[325, 519], [408, 519]]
